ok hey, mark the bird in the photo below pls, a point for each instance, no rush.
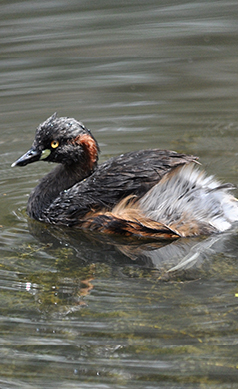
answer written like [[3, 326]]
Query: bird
[[154, 194]]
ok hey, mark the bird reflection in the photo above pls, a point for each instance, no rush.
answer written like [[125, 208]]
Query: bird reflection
[[167, 257], [82, 259]]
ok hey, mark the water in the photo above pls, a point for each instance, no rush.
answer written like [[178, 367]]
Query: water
[[82, 310]]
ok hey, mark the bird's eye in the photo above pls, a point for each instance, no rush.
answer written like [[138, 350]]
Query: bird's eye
[[54, 144]]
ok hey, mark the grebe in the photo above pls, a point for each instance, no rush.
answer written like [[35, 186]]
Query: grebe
[[149, 193]]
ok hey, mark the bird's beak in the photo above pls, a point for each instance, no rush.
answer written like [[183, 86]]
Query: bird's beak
[[30, 156]]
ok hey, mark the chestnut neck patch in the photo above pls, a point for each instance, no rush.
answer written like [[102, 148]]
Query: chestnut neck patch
[[90, 147]]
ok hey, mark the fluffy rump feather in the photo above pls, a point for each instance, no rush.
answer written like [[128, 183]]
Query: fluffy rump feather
[[185, 202], [190, 203]]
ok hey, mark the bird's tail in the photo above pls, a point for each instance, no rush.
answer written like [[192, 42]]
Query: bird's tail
[[185, 202], [190, 203]]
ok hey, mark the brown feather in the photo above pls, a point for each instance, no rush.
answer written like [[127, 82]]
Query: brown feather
[[126, 219], [90, 147]]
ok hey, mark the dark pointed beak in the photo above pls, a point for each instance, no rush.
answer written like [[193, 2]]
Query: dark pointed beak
[[31, 155]]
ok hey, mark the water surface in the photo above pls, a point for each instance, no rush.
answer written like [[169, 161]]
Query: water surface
[[82, 310]]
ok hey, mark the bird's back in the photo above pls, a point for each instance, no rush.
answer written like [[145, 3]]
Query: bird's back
[[133, 173]]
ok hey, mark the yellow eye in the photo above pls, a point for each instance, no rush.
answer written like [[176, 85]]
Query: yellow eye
[[54, 144]]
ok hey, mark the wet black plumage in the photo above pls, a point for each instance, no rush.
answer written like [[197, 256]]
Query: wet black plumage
[[80, 193], [129, 174]]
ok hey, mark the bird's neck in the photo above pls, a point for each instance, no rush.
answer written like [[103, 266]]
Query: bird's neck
[[59, 179]]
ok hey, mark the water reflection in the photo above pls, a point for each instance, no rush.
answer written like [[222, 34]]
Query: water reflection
[[167, 256], [81, 257], [81, 306]]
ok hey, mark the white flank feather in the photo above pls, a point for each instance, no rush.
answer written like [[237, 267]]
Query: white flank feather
[[188, 200]]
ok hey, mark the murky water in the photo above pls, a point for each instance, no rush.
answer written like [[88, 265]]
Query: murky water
[[82, 310]]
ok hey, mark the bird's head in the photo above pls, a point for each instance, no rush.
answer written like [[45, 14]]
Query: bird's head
[[62, 140]]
